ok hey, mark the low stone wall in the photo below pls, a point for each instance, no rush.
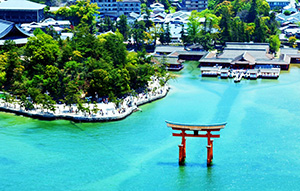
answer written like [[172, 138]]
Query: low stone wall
[[89, 118]]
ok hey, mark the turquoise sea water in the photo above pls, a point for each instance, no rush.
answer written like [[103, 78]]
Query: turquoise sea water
[[258, 150]]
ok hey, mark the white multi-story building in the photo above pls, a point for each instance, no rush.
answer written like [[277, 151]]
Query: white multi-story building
[[114, 8], [190, 5], [278, 3]]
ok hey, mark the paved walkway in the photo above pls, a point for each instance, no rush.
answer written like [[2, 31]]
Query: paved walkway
[[106, 111]]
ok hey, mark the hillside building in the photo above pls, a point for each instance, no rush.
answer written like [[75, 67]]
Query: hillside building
[[10, 31], [190, 5], [114, 8], [21, 11], [278, 3]]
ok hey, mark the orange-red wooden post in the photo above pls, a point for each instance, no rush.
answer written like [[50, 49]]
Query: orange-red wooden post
[[212, 153], [209, 148], [208, 155], [182, 150]]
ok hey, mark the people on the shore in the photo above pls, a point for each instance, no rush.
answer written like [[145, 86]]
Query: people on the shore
[[126, 106]]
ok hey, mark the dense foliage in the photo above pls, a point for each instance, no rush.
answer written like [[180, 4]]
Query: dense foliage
[[69, 70], [81, 14], [237, 21], [47, 70]]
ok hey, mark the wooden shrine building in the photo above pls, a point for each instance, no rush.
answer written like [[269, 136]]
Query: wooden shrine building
[[242, 55], [195, 129]]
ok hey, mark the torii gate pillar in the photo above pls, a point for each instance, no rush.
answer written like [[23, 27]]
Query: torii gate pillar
[[182, 150]]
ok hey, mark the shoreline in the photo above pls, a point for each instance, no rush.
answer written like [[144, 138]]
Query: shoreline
[[111, 113]]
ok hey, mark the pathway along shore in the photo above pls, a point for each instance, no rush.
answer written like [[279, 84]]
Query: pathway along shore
[[107, 111]]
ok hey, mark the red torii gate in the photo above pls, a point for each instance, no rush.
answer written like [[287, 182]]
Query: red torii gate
[[196, 129]]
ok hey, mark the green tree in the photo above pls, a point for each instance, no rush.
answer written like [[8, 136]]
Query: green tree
[[85, 45], [260, 30], [34, 93], [113, 44], [225, 25], [263, 8], [24, 102], [167, 34], [183, 36], [72, 93], [3, 62], [205, 41], [194, 27], [138, 34], [162, 38], [46, 102], [100, 82], [212, 4], [108, 25], [154, 31], [51, 81], [123, 27], [120, 80], [148, 22], [50, 31], [253, 13], [139, 69], [165, 3], [14, 67], [238, 30], [273, 25], [219, 9], [287, 12], [82, 13], [9, 45], [292, 41], [38, 31], [274, 43], [40, 50]]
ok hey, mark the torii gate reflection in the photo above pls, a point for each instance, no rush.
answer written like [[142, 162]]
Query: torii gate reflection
[[196, 128]]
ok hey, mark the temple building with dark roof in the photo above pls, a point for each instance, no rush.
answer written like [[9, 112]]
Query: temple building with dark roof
[[21, 11], [10, 31]]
